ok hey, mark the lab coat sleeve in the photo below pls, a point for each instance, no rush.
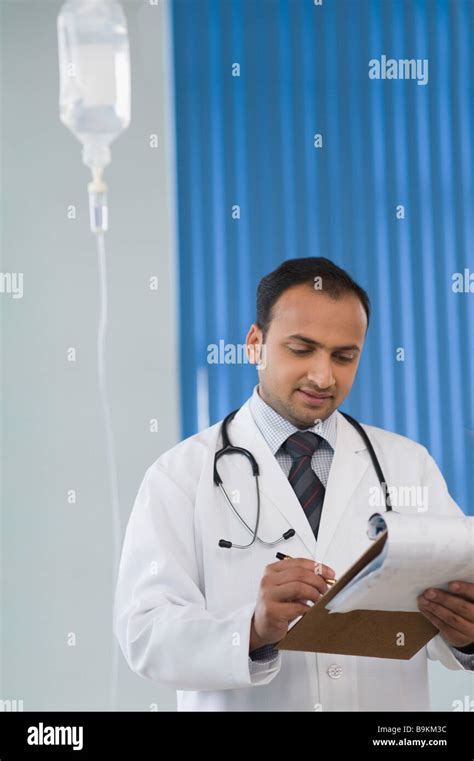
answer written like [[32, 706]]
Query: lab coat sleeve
[[440, 500], [160, 617]]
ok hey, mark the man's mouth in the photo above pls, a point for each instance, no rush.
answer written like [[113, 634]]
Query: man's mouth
[[314, 397]]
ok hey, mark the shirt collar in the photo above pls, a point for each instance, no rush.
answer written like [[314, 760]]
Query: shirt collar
[[276, 429]]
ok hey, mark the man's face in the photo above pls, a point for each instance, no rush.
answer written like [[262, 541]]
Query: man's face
[[312, 352]]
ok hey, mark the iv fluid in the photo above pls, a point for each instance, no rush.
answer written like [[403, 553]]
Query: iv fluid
[[94, 68]]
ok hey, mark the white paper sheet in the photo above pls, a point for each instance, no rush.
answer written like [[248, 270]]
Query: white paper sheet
[[420, 552]]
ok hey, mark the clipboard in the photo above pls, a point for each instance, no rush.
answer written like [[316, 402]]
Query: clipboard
[[370, 633]]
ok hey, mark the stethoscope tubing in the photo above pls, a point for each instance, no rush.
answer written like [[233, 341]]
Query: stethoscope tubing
[[228, 448]]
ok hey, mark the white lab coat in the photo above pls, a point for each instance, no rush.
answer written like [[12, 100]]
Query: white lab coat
[[183, 605]]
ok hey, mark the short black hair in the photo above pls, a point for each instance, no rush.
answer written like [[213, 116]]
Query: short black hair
[[335, 282]]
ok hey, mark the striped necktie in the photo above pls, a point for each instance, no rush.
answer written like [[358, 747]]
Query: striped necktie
[[308, 488]]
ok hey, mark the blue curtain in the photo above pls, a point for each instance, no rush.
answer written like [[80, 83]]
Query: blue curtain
[[249, 141]]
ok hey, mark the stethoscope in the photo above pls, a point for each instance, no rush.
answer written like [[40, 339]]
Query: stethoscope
[[228, 448]]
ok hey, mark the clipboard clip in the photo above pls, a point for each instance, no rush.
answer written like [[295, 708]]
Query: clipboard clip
[[377, 526]]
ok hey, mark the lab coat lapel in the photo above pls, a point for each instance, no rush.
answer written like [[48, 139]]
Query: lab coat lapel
[[349, 464], [274, 485]]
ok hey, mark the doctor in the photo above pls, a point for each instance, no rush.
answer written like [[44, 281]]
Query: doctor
[[202, 618]]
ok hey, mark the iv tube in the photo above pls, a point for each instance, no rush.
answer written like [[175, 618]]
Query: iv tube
[[94, 99]]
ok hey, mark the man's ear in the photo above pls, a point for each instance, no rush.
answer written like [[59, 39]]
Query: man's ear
[[255, 350]]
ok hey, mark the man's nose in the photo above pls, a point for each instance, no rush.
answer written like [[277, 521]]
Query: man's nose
[[320, 373]]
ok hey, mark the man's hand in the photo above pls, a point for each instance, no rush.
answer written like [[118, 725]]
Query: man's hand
[[451, 612], [282, 595]]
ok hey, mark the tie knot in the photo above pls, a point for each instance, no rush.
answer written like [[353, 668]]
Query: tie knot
[[302, 444]]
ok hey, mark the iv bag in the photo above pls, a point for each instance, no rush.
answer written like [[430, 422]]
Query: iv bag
[[94, 72]]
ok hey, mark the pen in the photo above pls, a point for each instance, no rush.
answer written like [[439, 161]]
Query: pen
[[282, 556]]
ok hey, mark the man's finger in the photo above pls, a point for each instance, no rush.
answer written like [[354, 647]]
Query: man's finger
[[464, 588], [324, 570], [310, 565], [280, 565], [448, 617], [459, 605], [291, 610], [295, 591], [455, 638], [306, 577]]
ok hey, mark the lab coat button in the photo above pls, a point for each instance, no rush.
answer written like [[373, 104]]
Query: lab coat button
[[335, 671]]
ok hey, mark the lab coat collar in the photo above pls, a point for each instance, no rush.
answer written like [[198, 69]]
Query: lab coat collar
[[347, 469]]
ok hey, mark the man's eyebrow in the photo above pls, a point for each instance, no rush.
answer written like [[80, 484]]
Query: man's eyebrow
[[311, 342]]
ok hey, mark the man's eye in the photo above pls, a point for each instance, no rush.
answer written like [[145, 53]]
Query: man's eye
[[344, 358], [300, 351]]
